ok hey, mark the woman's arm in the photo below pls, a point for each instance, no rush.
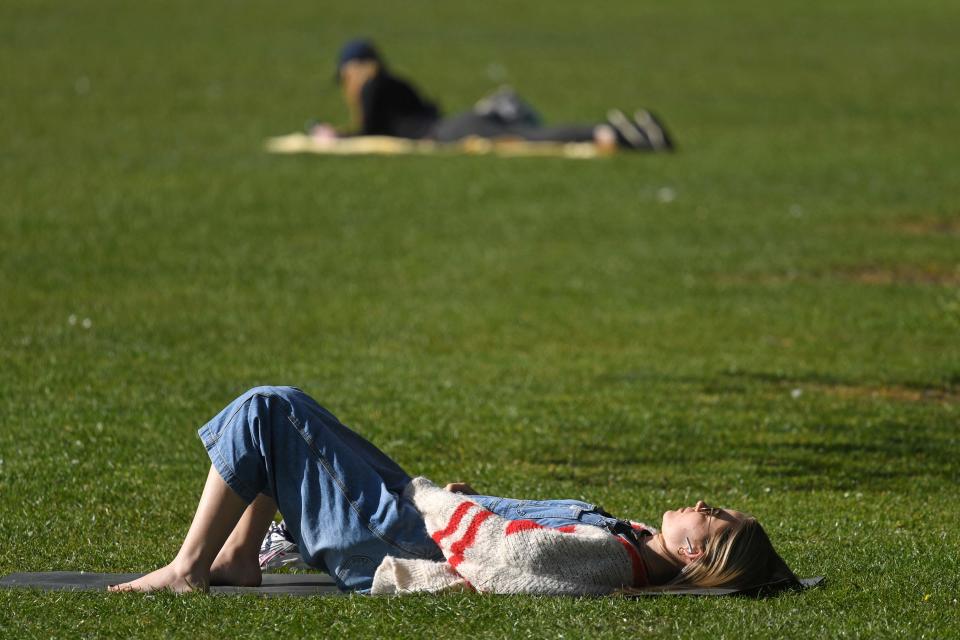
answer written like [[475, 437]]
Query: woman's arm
[[353, 77]]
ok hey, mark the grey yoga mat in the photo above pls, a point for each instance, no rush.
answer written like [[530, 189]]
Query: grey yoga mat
[[288, 584], [274, 584]]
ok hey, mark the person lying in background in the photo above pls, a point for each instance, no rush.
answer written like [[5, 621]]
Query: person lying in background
[[383, 104], [356, 514]]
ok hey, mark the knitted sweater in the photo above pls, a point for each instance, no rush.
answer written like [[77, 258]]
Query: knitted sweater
[[494, 555]]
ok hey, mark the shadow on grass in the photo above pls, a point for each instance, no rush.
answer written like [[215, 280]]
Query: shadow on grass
[[912, 391], [744, 381], [888, 455], [902, 438]]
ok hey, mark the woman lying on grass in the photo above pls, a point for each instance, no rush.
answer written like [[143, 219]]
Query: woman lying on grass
[[357, 515]]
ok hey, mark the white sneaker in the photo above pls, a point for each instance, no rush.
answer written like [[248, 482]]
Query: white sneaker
[[278, 549]]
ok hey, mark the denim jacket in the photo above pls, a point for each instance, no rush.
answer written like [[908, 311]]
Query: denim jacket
[[558, 513]]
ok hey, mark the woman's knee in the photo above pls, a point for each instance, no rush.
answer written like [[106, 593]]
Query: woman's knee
[[296, 405], [290, 394]]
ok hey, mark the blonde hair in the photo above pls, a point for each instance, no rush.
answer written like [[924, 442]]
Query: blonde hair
[[739, 557]]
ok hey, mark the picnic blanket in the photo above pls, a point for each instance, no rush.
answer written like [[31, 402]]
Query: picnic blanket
[[296, 143]]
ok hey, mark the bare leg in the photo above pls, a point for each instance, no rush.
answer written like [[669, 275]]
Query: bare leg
[[238, 562], [217, 514]]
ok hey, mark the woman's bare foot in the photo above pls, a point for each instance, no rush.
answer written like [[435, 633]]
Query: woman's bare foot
[[238, 561], [236, 572], [218, 513], [170, 577]]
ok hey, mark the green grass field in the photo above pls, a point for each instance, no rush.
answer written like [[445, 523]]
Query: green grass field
[[769, 319]]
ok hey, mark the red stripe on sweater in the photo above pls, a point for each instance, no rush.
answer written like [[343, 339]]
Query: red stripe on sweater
[[636, 563], [516, 526], [454, 522], [470, 535], [458, 548]]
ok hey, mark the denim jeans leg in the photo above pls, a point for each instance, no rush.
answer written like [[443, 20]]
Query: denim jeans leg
[[339, 495]]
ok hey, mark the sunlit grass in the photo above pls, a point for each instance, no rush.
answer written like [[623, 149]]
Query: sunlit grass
[[779, 333]]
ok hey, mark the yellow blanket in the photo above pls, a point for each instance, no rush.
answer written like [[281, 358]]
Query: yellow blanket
[[386, 145]]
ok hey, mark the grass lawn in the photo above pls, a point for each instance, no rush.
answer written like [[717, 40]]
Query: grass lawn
[[769, 319]]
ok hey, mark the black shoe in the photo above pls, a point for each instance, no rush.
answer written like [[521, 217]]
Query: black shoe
[[629, 135], [655, 132]]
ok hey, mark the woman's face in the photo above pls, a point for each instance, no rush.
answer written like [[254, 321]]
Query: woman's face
[[694, 524], [354, 74]]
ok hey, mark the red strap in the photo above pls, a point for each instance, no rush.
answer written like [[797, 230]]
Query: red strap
[[636, 563]]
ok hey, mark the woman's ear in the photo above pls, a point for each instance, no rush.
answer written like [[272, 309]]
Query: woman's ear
[[687, 556]]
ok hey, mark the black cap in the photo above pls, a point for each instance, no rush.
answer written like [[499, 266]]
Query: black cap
[[357, 49]]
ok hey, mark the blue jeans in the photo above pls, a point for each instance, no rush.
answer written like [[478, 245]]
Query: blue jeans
[[341, 497]]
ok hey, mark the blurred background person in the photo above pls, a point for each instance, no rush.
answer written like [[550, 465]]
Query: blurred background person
[[383, 104]]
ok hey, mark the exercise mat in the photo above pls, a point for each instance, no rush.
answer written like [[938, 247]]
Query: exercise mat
[[390, 146], [274, 584], [297, 584], [758, 591]]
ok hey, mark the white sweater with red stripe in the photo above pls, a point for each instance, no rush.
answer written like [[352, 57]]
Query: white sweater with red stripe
[[491, 554]]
